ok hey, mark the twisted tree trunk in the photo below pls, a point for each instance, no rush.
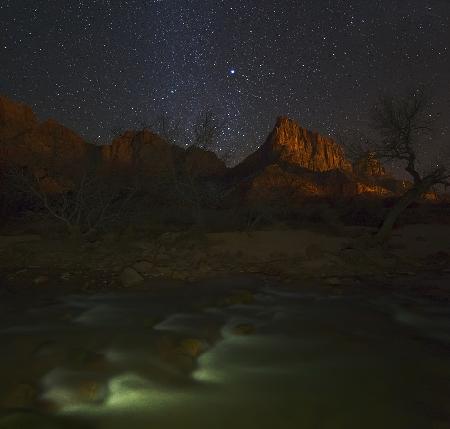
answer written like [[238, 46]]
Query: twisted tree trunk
[[403, 203]]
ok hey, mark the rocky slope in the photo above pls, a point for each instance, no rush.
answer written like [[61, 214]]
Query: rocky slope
[[52, 152], [153, 156], [294, 163], [369, 166], [27, 142], [15, 118], [49, 148]]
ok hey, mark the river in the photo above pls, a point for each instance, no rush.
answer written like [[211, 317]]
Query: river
[[288, 359]]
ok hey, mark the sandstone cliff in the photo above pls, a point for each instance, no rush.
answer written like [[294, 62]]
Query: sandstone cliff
[[143, 151], [289, 143], [292, 160], [300, 163], [203, 163], [15, 118], [153, 156], [369, 166], [50, 148], [51, 152]]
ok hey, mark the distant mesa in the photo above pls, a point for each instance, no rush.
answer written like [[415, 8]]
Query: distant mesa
[[15, 118], [50, 147], [155, 157], [293, 160]]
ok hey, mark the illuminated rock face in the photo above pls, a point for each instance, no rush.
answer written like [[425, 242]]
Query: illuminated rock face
[[292, 162], [15, 118], [51, 151], [291, 144], [295, 145], [360, 188], [295, 163], [28, 143], [369, 166]]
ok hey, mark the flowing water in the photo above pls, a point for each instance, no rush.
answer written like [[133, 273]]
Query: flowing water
[[287, 360]]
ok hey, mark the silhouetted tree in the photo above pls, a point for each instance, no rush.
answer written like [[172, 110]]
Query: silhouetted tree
[[404, 125], [206, 129]]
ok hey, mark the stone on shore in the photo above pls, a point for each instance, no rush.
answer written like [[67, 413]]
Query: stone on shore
[[130, 277]]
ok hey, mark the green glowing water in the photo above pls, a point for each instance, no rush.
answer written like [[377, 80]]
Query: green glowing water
[[310, 362]]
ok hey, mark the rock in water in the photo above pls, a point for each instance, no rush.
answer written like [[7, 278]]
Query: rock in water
[[244, 329], [192, 347], [130, 277]]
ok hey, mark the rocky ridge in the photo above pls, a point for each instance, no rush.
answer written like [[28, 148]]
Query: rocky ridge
[[293, 159]]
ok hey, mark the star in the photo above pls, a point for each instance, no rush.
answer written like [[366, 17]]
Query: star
[[126, 63]]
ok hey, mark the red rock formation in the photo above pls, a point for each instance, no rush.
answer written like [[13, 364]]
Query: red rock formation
[[203, 163], [49, 150], [276, 185], [142, 150], [289, 143], [15, 118], [369, 166], [296, 162], [293, 161], [52, 144], [360, 188], [296, 145], [155, 157]]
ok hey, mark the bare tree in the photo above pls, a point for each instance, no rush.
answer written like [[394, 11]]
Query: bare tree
[[81, 197], [404, 125], [206, 130], [356, 144]]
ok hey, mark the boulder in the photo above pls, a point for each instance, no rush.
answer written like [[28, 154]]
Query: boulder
[[192, 347], [130, 277], [244, 329], [22, 395], [144, 268]]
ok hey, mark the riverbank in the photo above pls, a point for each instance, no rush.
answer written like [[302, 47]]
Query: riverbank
[[338, 259]]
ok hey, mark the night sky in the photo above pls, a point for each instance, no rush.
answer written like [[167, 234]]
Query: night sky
[[98, 65]]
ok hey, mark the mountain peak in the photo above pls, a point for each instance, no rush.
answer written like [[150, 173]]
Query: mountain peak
[[289, 143], [296, 145]]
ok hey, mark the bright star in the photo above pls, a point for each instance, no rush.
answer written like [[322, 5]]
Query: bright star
[[232, 71]]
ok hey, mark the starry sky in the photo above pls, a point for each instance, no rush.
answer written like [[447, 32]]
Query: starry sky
[[99, 65]]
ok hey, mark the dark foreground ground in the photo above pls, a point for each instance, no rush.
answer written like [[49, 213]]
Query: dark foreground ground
[[338, 258]]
